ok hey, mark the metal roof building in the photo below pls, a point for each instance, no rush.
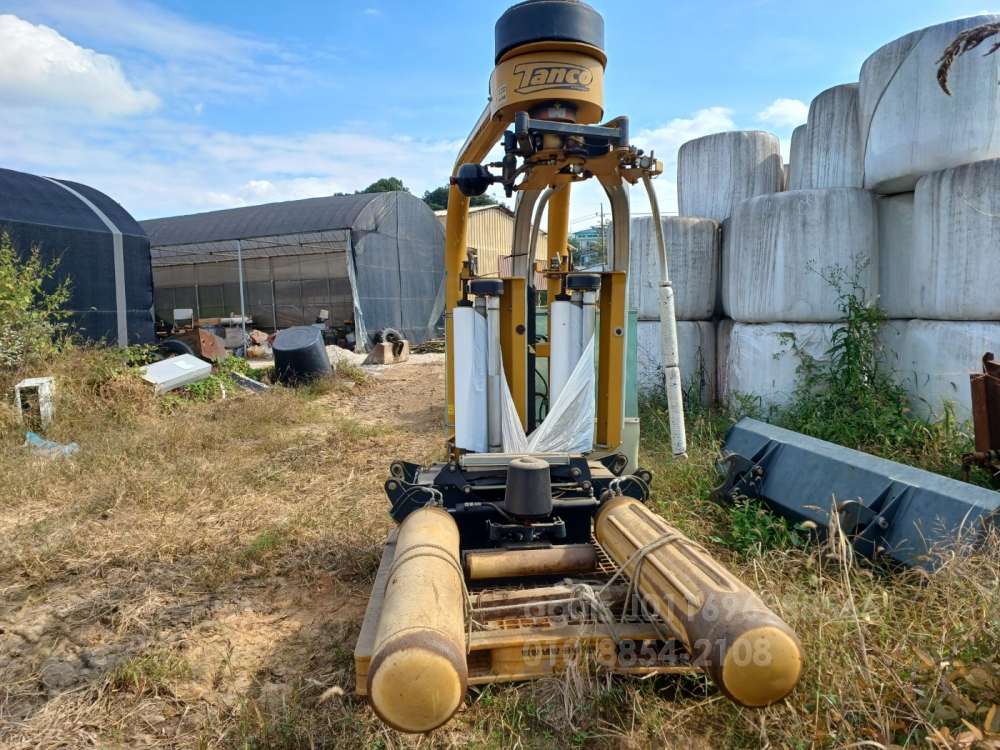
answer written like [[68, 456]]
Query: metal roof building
[[491, 236], [100, 248], [376, 258]]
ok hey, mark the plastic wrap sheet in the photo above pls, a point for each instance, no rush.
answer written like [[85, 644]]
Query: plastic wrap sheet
[[569, 426]]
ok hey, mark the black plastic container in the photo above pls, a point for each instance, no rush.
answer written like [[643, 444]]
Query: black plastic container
[[300, 355]]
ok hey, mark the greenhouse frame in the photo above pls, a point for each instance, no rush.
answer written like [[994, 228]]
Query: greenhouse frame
[[97, 246], [376, 259]]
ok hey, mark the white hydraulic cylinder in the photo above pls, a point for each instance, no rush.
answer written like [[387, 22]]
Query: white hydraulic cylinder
[[561, 347], [588, 319], [494, 374], [470, 380]]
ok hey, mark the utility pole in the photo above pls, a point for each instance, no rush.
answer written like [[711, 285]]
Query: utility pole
[[604, 238]]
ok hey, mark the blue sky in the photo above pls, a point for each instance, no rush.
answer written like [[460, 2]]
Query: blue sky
[[179, 106]]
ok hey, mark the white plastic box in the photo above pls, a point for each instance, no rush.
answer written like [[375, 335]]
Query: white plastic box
[[176, 372]]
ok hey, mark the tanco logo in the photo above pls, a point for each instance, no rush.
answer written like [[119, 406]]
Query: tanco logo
[[538, 76]]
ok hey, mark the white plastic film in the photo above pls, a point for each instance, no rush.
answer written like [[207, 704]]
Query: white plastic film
[[470, 380], [569, 426]]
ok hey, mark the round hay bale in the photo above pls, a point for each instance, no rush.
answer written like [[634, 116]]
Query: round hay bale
[[696, 343], [832, 147], [797, 166], [933, 359], [954, 274], [761, 362], [717, 172], [778, 251], [909, 126], [692, 259]]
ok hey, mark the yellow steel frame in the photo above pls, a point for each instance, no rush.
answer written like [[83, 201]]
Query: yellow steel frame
[[514, 342], [519, 84], [611, 359]]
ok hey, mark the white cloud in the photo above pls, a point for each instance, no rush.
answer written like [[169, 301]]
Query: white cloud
[[159, 166], [373, 12], [666, 140], [142, 26], [40, 67], [784, 113], [171, 54]]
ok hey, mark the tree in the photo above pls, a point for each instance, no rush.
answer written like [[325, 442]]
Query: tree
[[386, 185], [437, 199]]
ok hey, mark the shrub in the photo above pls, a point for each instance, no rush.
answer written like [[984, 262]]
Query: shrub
[[32, 318], [851, 398]]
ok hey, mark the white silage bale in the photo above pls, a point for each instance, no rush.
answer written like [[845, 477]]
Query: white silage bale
[[955, 273], [797, 166], [696, 343], [909, 126], [716, 172], [832, 148], [779, 250], [761, 361], [895, 256], [692, 259], [933, 360]]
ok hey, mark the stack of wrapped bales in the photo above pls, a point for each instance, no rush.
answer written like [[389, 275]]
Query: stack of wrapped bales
[[892, 191]]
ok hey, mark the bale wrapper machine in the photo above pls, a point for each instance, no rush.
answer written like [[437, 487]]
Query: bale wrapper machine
[[531, 546]]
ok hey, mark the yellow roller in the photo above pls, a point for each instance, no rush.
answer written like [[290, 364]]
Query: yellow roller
[[418, 674], [749, 652], [565, 559]]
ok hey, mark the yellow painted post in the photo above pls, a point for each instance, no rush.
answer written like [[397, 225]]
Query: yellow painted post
[[514, 342], [611, 361], [558, 234]]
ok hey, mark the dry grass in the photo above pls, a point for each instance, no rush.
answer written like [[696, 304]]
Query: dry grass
[[967, 41], [197, 576]]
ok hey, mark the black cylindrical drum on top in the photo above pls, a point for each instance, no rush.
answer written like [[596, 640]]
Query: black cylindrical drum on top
[[300, 355], [529, 488], [548, 20]]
